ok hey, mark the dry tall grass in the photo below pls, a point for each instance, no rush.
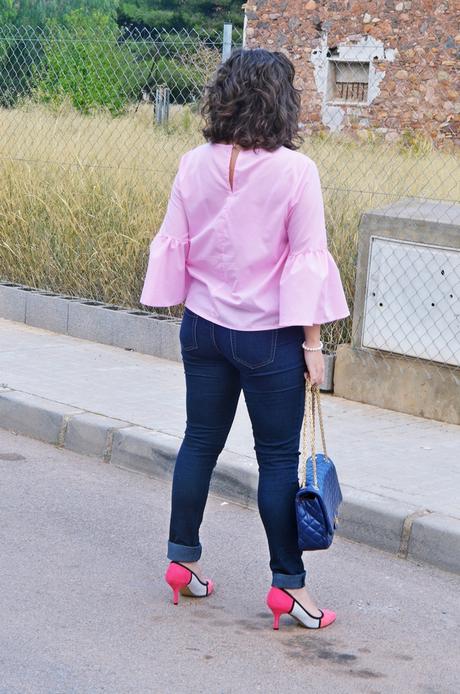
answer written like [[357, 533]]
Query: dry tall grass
[[82, 196]]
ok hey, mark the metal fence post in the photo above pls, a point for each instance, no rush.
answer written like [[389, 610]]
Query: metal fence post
[[227, 41], [162, 104]]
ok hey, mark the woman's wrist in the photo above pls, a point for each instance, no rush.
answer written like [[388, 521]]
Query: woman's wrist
[[312, 337], [313, 348]]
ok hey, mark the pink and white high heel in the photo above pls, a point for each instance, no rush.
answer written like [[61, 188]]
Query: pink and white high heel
[[281, 602], [185, 581]]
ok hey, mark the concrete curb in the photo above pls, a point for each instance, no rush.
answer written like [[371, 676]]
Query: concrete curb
[[402, 529], [142, 331]]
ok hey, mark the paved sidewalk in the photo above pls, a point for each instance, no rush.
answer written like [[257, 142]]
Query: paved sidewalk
[[400, 474], [85, 609]]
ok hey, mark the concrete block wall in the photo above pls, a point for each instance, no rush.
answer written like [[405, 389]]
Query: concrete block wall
[[141, 331]]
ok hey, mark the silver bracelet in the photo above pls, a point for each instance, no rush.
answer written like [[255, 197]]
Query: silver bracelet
[[312, 349]]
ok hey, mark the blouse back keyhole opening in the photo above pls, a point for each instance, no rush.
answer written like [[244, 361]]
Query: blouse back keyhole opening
[[231, 173]]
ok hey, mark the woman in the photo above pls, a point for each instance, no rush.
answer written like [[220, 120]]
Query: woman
[[243, 244]]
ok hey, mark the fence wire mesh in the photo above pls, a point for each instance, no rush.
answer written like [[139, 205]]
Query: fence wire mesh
[[93, 123]]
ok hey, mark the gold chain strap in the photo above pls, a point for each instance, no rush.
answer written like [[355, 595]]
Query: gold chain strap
[[312, 402]]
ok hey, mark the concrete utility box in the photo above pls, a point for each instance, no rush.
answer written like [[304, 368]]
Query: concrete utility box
[[405, 351]]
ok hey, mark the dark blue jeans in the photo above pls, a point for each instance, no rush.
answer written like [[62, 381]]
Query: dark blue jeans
[[269, 366]]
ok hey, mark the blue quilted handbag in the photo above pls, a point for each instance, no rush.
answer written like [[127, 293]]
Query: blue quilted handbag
[[319, 496]]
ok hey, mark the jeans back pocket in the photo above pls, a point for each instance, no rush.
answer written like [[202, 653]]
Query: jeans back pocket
[[254, 348], [188, 331]]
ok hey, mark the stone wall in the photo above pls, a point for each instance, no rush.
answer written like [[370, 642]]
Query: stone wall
[[409, 49]]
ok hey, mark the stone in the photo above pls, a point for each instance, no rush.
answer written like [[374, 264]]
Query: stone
[[385, 28], [293, 22], [281, 38]]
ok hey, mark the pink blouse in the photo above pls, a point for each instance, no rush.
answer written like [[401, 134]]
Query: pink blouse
[[251, 258]]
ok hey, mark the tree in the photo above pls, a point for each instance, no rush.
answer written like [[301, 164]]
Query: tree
[[37, 12], [84, 63], [180, 14], [24, 25], [7, 12]]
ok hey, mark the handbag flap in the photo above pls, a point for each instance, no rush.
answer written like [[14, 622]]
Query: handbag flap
[[328, 493], [313, 503]]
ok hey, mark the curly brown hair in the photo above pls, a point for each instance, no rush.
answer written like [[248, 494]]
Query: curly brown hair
[[252, 101]]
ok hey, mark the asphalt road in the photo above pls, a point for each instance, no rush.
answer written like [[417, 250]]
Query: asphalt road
[[84, 607]]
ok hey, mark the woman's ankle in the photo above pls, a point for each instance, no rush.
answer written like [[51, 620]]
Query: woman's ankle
[[303, 596], [297, 593], [194, 566]]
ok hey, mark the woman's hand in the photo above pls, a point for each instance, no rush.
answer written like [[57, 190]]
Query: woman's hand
[[315, 367]]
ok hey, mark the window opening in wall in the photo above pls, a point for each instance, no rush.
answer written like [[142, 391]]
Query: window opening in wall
[[348, 81]]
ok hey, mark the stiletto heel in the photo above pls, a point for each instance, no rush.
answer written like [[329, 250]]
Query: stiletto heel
[[276, 619], [281, 602], [185, 581], [175, 595]]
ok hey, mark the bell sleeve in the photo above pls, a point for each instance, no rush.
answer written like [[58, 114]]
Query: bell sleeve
[[311, 291], [166, 280]]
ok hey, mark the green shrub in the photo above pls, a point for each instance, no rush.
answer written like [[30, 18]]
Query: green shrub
[[93, 65], [84, 63], [20, 54]]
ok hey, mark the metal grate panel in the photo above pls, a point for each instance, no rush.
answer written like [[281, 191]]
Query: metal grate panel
[[413, 300]]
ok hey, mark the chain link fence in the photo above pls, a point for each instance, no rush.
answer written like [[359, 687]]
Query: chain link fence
[[93, 123], [386, 141], [95, 98]]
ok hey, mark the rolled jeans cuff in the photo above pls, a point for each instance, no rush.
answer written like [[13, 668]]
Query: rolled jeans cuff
[[289, 580], [183, 552]]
